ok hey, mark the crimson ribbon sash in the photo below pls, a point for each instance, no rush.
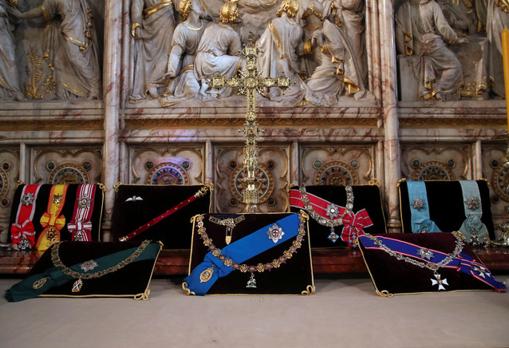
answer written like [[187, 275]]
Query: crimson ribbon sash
[[80, 225], [23, 230], [353, 223]]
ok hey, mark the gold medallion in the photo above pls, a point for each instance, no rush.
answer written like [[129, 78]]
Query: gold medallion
[[39, 283], [206, 275]]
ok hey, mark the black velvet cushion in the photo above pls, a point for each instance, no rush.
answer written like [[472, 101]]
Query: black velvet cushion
[[446, 209], [394, 276], [130, 281], [175, 230], [41, 206], [293, 277], [365, 197]]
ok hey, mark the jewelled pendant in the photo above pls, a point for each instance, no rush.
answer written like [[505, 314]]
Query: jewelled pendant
[[76, 286], [333, 236], [251, 283]]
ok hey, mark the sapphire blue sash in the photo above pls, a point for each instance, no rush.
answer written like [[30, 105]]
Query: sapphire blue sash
[[464, 263], [239, 251], [419, 208], [474, 230]]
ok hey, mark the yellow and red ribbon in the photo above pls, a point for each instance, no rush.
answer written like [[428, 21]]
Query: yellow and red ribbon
[[52, 221]]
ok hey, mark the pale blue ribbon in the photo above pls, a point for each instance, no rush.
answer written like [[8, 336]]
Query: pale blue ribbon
[[419, 208], [473, 228]]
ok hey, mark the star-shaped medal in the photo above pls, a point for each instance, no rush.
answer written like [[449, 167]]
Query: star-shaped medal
[[332, 211], [426, 253], [439, 281], [275, 233], [418, 204]]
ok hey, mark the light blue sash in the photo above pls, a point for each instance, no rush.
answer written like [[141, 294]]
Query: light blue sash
[[212, 268], [474, 230], [419, 208]]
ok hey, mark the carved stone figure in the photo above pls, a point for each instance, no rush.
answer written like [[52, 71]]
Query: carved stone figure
[[74, 48], [312, 16], [153, 22], [497, 19], [9, 80], [279, 48], [219, 50], [183, 81], [423, 31]]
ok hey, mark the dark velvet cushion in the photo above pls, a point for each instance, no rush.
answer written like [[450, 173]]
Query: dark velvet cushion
[[446, 209], [175, 230], [365, 197], [130, 281], [392, 276], [293, 277], [41, 206]]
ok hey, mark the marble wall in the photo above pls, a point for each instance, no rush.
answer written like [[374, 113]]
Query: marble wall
[[380, 137]]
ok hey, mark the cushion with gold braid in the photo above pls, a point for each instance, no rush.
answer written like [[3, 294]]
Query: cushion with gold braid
[[41, 205], [135, 205], [124, 280], [393, 276], [365, 197], [294, 276], [446, 210]]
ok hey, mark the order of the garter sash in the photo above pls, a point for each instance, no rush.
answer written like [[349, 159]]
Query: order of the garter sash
[[419, 208], [353, 223], [463, 263], [474, 230], [23, 230], [80, 225], [52, 221], [239, 252]]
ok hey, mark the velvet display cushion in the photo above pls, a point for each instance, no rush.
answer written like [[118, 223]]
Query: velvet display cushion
[[98, 270], [41, 206], [365, 197], [295, 276], [393, 276], [446, 206], [136, 205]]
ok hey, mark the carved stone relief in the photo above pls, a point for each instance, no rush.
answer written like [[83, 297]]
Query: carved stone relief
[[448, 49], [498, 176], [167, 165], [9, 175], [65, 165], [436, 162], [319, 45], [273, 177], [328, 164], [56, 48]]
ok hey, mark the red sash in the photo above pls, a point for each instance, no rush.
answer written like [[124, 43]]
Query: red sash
[[23, 230], [80, 225], [353, 223]]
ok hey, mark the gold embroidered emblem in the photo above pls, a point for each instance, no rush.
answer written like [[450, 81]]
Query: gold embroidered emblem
[[206, 275], [39, 283]]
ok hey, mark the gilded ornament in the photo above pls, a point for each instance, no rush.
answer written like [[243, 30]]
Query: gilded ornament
[[206, 275]]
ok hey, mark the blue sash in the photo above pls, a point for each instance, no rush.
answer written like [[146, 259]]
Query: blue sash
[[473, 228], [464, 263], [239, 251], [419, 208]]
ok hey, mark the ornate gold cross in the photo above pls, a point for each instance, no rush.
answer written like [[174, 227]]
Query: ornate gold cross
[[248, 83]]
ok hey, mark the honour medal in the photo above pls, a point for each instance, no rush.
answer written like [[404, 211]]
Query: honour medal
[[251, 283], [77, 285], [333, 236]]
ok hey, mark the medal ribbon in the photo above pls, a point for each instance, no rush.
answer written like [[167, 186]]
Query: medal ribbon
[[23, 230], [51, 220], [353, 223], [473, 228], [419, 208], [239, 251], [80, 225], [464, 263]]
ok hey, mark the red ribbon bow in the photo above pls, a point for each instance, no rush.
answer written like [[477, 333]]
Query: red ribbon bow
[[25, 231], [354, 225]]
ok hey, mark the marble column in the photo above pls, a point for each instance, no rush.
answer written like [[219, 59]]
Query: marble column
[[111, 97], [390, 112], [477, 174]]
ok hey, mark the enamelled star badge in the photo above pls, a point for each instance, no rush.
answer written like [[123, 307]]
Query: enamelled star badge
[[275, 233]]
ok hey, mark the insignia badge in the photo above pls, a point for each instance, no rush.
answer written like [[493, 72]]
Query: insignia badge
[[418, 204], [88, 266], [473, 203], [57, 199], [134, 199], [39, 283], [84, 202], [251, 283], [206, 275], [275, 233], [27, 199], [333, 236], [439, 281], [77, 285], [332, 211], [482, 272], [426, 253]]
